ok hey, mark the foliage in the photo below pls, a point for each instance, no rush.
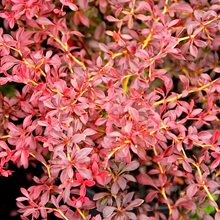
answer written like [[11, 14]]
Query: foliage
[[119, 102]]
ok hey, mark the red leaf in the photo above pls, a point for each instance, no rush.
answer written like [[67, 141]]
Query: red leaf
[[133, 165], [151, 195], [145, 179]]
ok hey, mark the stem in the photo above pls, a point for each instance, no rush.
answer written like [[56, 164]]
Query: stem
[[55, 210], [149, 37], [205, 186], [165, 7], [24, 59], [183, 38], [46, 165], [61, 213], [5, 137], [81, 213], [65, 48], [202, 180], [163, 191], [179, 96]]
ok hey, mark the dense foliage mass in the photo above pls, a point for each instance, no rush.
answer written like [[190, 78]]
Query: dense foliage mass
[[118, 101]]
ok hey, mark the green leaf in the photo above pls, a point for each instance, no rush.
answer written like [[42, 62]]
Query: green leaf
[[209, 209], [7, 90]]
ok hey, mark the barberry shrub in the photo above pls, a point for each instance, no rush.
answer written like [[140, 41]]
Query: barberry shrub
[[118, 101]]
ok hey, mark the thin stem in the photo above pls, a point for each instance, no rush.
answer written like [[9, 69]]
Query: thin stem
[[66, 49], [55, 210], [179, 96], [202, 180], [61, 213], [81, 213], [205, 186], [5, 137], [46, 165], [163, 190]]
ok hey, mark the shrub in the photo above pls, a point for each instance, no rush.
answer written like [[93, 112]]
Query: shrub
[[118, 100]]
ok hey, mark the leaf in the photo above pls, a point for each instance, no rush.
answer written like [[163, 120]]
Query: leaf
[[185, 81], [3, 80], [89, 132], [134, 114], [193, 50], [99, 196], [85, 173], [151, 195], [27, 121], [100, 121], [133, 165], [217, 69], [210, 118], [84, 152], [215, 163], [115, 188], [186, 166], [84, 20], [186, 203], [108, 210], [209, 209], [131, 215], [135, 203], [128, 197], [145, 179], [78, 138], [111, 18], [142, 17], [122, 182], [217, 215], [83, 4], [24, 192], [43, 21], [129, 177], [115, 134], [191, 190]]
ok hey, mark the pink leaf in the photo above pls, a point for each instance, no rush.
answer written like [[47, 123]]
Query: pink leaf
[[135, 203], [43, 21], [134, 114], [133, 165], [3, 80], [217, 215], [78, 138], [191, 190], [193, 50], [89, 132], [108, 210], [111, 18], [145, 179], [186, 166]]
